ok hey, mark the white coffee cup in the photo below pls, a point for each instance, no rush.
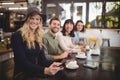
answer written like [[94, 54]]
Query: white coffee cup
[[72, 64], [81, 54], [87, 47]]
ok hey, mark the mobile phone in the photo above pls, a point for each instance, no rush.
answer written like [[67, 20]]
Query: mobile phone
[[91, 66], [63, 62]]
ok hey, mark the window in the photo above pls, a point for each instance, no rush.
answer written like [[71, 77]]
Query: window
[[65, 12], [51, 11], [98, 14], [75, 11], [112, 14], [95, 12]]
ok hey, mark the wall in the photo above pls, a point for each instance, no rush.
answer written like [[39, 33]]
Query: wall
[[112, 34]]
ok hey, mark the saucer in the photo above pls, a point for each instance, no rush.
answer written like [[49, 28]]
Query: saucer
[[72, 67], [81, 57], [95, 54]]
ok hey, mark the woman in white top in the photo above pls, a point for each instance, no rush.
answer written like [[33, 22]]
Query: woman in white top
[[65, 36]]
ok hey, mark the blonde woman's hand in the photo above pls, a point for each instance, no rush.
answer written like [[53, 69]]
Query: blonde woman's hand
[[53, 68]]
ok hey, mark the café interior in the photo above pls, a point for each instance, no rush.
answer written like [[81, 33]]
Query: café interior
[[101, 19]]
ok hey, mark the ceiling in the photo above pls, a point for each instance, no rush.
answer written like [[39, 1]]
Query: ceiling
[[13, 4], [13, 0]]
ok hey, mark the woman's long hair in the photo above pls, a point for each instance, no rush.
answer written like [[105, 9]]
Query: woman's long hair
[[25, 31], [64, 31]]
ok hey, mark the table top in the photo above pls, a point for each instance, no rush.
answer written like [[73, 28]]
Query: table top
[[107, 62], [108, 67]]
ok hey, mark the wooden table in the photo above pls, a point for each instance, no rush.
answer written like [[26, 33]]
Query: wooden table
[[108, 63]]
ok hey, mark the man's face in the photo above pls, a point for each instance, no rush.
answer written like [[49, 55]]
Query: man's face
[[54, 26]]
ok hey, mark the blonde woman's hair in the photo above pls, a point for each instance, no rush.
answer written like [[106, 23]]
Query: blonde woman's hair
[[25, 31]]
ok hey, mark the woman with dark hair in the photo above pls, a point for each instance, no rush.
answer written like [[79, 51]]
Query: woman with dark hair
[[79, 32], [79, 26], [65, 36], [68, 28]]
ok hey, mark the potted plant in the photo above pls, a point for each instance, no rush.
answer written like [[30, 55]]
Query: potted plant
[[88, 25]]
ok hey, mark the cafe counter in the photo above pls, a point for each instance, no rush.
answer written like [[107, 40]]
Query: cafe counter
[[6, 64], [6, 55]]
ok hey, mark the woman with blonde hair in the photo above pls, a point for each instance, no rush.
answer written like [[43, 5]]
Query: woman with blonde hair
[[28, 50]]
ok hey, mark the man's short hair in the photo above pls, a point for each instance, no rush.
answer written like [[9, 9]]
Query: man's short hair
[[55, 18]]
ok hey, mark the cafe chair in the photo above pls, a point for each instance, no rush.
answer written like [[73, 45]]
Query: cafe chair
[[104, 40], [93, 42]]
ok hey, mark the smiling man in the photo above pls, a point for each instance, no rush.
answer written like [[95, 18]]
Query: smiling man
[[51, 46]]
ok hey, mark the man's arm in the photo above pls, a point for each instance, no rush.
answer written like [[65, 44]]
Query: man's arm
[[47, 55]]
